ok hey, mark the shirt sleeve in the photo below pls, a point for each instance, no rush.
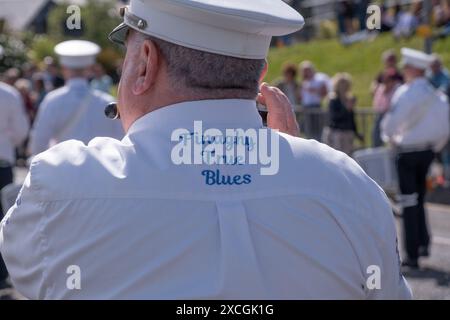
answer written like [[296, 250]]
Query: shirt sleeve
[[408, 108], [445, 111], [385, 256], [18, 122], [23, 244], [393, 285], [389, 124], [371, 230]]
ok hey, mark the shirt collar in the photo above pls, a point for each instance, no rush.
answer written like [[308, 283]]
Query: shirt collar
[[232, 113], [419, 81], [77, 82]]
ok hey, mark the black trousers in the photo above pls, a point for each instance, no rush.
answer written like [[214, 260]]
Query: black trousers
[[6, 177], [412, 170]]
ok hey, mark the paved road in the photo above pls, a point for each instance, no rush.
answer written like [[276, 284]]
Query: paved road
[[432, 281]]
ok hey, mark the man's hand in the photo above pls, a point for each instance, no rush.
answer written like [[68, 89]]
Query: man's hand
[[280, 114]]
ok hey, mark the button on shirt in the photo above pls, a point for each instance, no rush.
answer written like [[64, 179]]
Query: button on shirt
[[62, 116], [140, 227], [14, 123]]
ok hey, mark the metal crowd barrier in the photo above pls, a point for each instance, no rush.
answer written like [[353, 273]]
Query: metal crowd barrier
[[364, 117]]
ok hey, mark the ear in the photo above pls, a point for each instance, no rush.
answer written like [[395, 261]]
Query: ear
[[148, 62], [264, 72]]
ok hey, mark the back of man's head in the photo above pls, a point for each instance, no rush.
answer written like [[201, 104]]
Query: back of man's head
[[209, 75]]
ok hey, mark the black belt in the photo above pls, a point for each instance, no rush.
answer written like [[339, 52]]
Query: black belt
[[5, 164], [416, 148]]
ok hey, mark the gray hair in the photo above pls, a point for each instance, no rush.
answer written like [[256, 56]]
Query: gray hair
[[210, 75], [388, 54], [307, 65]]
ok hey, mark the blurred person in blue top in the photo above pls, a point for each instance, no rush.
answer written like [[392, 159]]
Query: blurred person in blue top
[[101, 80], [439, 75]]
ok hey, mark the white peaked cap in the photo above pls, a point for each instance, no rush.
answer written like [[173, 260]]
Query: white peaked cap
[[77, 54], [237, 28], [416, 58]]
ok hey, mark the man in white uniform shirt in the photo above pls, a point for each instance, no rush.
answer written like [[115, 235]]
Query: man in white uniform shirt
[[417, 124], [14, 128], [144, 218], [314, 88], [74, 111]]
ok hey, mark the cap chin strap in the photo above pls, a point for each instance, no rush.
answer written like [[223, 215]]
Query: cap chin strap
[[133, 20], [130, 20]]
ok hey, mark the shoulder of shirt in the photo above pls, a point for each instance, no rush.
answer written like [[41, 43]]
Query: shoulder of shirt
[[346, 182], [55, 94], [60, 172], [327, 161], [412, 92], [60, 93], [7, 90], [402, 88], [102, 95]]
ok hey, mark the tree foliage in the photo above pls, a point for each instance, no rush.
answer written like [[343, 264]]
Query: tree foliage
[[98, 19], [14, 52]]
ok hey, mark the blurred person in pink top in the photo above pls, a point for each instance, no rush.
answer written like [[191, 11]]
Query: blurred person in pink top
[[382, 101]]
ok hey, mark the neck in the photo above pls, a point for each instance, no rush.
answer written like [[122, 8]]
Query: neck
[[151, 104], [75, 77], [130, 112], [77, 81], [414, 78]]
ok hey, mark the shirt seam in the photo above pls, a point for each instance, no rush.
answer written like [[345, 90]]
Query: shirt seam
[[43, 240]]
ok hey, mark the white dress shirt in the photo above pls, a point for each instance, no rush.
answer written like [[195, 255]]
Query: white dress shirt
[[418, 117], [310, 91], [140, 227], [14, 123], [61, 106]]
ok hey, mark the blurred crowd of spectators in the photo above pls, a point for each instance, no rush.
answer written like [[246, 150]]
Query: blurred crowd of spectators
[[402, 20], [310, 90], [33, 83], [307, 88]]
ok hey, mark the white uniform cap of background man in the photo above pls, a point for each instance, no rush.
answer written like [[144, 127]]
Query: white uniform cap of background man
[[236, 28], [77, 54], [416, 59]]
